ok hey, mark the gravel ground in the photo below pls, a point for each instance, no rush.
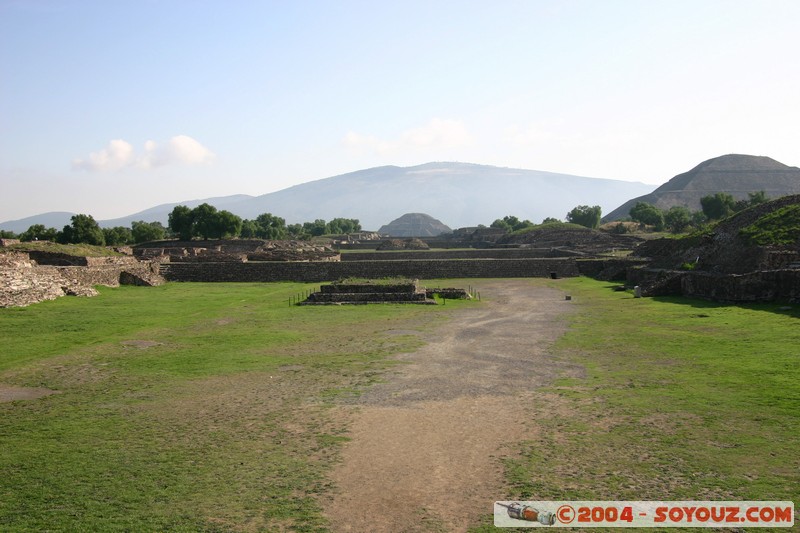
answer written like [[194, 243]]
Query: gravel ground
[[425, 448]]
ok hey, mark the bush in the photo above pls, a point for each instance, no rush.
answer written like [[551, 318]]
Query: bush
[[781, 227]]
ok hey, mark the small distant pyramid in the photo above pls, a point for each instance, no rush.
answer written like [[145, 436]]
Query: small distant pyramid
[[414, 225]]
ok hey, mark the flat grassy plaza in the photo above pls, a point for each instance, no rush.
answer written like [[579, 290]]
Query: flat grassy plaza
[[209, 407]]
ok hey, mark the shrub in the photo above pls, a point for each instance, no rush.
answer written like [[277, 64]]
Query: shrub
[[780, 227]]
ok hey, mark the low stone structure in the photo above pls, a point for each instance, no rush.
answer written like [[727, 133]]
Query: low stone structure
[[23, 281], [363, 293], [234, 251], [403, 244], [448, 293]]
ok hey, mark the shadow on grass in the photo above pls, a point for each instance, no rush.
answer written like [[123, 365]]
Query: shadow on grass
[[783, 308]]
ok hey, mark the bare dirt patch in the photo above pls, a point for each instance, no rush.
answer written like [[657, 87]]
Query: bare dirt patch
[[11, 393], [141, 344], [425, 445]]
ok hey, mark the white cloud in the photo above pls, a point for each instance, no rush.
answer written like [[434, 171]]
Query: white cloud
[[438, 134], [116, 155], [179, 150]]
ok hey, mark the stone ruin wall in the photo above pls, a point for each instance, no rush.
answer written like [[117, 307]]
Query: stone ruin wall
[[494, 253], [764, 286], [24, 282], [780, 259], [331, 271], [761, 286], [58, 259], [234, 251]]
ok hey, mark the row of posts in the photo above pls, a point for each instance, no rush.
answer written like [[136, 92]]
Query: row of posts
[[302, 296]]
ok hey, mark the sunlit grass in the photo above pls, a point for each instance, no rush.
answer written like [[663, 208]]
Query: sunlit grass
[[683, 399], [185, 407]]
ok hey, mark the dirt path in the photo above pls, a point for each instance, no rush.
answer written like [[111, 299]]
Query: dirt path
[[425, 445]]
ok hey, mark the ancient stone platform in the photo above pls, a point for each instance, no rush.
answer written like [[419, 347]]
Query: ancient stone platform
[[363, 293]]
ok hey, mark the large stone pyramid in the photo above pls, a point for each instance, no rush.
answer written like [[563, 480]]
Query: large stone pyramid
[[735, 174]]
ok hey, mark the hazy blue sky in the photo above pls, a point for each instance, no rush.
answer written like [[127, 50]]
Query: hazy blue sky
[[110, 107]]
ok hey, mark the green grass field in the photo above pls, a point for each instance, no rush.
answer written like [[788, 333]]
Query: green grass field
[[184, 407], [683, 400], [206, 407]]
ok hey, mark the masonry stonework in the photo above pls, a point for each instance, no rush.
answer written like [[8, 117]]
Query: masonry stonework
[[760, 286], [332, 271], [23, 282]]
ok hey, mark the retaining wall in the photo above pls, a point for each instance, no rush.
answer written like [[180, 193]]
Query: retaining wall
[[608, 269], [22, 283], [108, 275], [761, 286], [331, 271], [493, 253], [766, 286]]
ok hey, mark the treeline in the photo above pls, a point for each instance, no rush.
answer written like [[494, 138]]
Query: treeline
[[584, 215], [84, 229], [512, 223], [678, 219], [204, 221]]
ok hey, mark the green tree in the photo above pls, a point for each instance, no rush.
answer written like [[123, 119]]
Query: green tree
[[341, 226], [316, 228], [500, 223], [38, 232], [204, 219], [677, 219], [147, 231], [647, 215], [511, 223], [6, 234], [226, 225], [523, 224], [718, 206], [698, 219], [753, 198], [756, 198], [550, 220], [84, 229], [249, 229], [585, 216], [181, 222], [117, 236], [269, 226], [296, 231]]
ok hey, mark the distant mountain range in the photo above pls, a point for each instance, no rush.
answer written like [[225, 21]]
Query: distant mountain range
[[458, 194], [735, 174]]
